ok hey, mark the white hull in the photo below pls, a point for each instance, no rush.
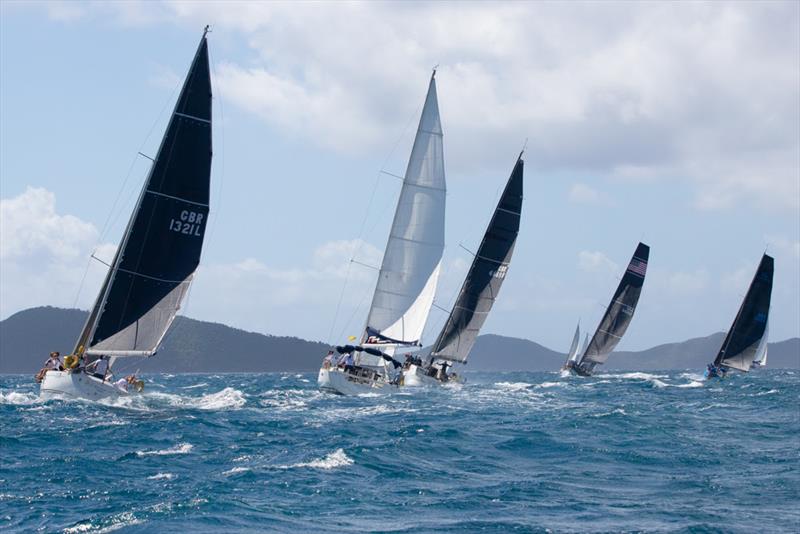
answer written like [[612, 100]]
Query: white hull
[[415, 376], [77, 385], [335, 380]]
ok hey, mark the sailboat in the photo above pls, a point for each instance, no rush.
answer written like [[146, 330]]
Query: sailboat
[[478, 293], [746, 341], [617, 317], [576, 348], [159, 252], [409, 272]]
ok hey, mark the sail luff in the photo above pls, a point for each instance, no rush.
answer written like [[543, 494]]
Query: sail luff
[[485, 276], [750, 324], [620, 310], [574, 347], [161, 246], [409, 271]]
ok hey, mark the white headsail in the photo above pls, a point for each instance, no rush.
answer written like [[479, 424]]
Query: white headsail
[[410, 269], [574, 348]]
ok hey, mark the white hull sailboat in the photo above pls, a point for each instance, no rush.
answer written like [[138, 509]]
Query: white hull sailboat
[[157, 257], [478, 292], [409, 272]]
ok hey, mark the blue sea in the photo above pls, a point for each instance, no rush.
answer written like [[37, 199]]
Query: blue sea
[[507, 452]]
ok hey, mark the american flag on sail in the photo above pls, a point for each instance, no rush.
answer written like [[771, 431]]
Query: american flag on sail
[[638, 266]]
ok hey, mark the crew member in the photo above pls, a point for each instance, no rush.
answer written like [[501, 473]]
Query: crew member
[[99, 367]]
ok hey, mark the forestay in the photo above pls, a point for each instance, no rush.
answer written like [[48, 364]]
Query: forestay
[[750, 326], [485, 276], [161, 247], [620, 311], [410, 269]]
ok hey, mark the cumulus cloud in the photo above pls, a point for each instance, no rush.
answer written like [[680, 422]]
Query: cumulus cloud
[[44, 254], [702, 93], [288, 300]]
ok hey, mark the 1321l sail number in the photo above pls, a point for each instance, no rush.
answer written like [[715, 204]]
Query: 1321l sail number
[[190, 223]]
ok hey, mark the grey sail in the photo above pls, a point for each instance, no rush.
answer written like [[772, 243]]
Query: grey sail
[[163, 240], [485, 276], [620, 311], [749, 328], [410, 269]]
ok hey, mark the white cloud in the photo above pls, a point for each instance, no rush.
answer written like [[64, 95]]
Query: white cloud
[[702, 93], [584, 194], [596, 262], [30, 228], [44, 254], [290, 301]]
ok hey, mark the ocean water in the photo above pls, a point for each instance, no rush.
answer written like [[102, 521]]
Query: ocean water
[[507, 452]]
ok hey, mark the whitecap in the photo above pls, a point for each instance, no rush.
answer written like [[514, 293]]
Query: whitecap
[[200, 385], [513, 386], [337, 458], [227, 398], [770, 392], [162, 476], [182, 448], [235, 470], [18, 399], [619, 411], [545, 385]]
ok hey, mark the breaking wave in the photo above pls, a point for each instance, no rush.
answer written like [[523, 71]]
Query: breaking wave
[[183, 448]]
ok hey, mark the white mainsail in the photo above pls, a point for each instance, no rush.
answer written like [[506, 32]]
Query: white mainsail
[[574, 349], [410, 269]]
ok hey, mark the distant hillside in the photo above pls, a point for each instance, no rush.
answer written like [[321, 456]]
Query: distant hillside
[[27, 337], [198, 346], [493, 352]]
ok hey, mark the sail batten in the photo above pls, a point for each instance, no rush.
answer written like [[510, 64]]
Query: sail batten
[[620, 310], [749, 330], [485, 276], [410, 268], [163, 240]]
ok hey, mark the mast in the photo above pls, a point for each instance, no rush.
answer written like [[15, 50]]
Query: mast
[[485, 275], [619, 312], [750, 325], [162, 242], [409, 272]]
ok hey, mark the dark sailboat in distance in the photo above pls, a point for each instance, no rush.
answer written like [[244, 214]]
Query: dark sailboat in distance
[[747, 336], [617, 317], [159, 252], [479, 291]]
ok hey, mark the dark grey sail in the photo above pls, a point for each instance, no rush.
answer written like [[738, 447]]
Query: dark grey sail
[[619, 312], [163, 240], [750, 326], [485, 276]]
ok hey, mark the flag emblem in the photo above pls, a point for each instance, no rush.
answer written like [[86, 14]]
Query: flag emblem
[[638, 266]]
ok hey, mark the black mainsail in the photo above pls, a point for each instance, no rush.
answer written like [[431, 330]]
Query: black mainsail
[[618, 314], [163, 240], [749, 328], [485, 276]]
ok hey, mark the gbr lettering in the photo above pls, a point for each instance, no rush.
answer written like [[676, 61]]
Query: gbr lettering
[[189, 223]]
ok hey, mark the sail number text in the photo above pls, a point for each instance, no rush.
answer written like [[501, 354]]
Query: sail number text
[[190, 223]]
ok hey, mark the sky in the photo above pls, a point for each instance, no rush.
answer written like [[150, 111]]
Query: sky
[[673, 123]]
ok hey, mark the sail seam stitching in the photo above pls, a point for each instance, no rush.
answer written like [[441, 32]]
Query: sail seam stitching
[[176, 198], [192, 117], [150, 277]]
